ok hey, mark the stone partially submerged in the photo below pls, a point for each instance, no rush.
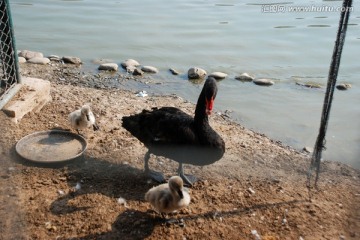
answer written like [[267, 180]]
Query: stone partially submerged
[[108, 67], [72, 60], [149, 69], [343, 86], [245, 77], [218, 75], [174, 71], [196, 73], [130, 63], [263, 82]]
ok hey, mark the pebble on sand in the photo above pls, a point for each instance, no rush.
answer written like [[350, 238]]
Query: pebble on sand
[[263, 82], [72, 60], [343, 86], [39, 60], [108, 67], [122, 201], [149, 69], [21, 60], [196, 73], [218, 75], [30, 54], [245, 77]]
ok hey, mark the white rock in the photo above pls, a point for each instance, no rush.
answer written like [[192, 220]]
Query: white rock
[[30, 54], [122, 201], [130, 62], [196, 73], [149, 69], [61, 192], [142, 94], [245, 77], [218, 75], [250, 190], [263, 82], [108, 67], [39, 60], [256, 235], [22, 60]]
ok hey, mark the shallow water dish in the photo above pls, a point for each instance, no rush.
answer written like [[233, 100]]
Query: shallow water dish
[[51, 146]]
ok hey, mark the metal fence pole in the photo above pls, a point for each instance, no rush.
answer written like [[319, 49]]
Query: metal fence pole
[[10, 78], [11, 51]]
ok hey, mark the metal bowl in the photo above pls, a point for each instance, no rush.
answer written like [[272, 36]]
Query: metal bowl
[[51, 146]]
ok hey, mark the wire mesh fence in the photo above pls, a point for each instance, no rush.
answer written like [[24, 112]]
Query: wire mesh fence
[[9, 74]]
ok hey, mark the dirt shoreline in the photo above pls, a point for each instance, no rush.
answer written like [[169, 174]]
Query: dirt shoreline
[[259, 184]]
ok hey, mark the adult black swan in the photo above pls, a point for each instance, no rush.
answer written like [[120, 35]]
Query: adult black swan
[[172, 133]]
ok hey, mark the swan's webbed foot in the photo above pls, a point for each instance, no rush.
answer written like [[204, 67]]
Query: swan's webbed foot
[[156, 176], [189, 180]]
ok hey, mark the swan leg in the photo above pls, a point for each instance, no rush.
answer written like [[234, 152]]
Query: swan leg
[[188, 179], [95, 127], [156, 176], [78, 131]]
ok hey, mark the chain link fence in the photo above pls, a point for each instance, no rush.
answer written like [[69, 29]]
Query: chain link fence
[[9, 71]]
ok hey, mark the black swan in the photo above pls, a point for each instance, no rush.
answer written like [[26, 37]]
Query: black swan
[[172, 133]]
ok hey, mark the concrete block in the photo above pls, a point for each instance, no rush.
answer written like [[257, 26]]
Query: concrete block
[[33, 95]]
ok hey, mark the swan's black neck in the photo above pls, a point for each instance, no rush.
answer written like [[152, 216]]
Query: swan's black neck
[[208, 94], [200, 111]]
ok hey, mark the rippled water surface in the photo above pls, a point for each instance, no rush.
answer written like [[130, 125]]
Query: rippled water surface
[[269, 41]]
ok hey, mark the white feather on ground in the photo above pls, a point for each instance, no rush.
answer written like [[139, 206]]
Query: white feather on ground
[[83, 118], [168, 197]]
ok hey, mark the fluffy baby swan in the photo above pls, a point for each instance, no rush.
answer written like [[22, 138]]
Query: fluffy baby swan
[[168, 197], [83, 118]]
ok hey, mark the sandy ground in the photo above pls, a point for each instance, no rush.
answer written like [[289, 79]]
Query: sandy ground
[[259, 185]]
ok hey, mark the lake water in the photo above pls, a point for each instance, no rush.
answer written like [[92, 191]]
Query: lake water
[[269, 41]]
